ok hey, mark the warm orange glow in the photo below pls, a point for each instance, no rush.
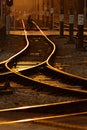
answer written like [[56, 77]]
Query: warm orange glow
[[22, 4]]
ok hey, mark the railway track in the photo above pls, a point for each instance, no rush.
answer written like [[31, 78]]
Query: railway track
[[46, 112], [49, 75], [45, 72]]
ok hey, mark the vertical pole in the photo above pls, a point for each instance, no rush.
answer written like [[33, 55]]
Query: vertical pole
[[1, 10], [8, 21], [33, 6], [14, 19], [47, 14], [43, 12], [52, 14], [71, 25], [61, 18], [3, 13], [80, 24], [38, 10], [84, 11], [71, 21], [35, 10]]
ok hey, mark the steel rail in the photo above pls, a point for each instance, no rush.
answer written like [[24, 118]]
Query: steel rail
[[26, 37], [48, 107], [77, 79], [48, 65], [43, 121], [43, 112], [27, 45]]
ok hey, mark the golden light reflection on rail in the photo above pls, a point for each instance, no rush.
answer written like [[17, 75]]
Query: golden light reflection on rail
[[51, 117]]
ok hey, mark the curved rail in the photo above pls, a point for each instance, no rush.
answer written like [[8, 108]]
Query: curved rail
[[54, 47], [17, 54], [46, 107], [45, 62], [25, 32], [77, 79], [27, 45], [49, 66]]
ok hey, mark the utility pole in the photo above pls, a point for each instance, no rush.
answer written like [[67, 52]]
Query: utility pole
[[80, 24], [61, 18]]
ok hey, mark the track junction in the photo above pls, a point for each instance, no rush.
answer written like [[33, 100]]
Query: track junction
[[21, 70]]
